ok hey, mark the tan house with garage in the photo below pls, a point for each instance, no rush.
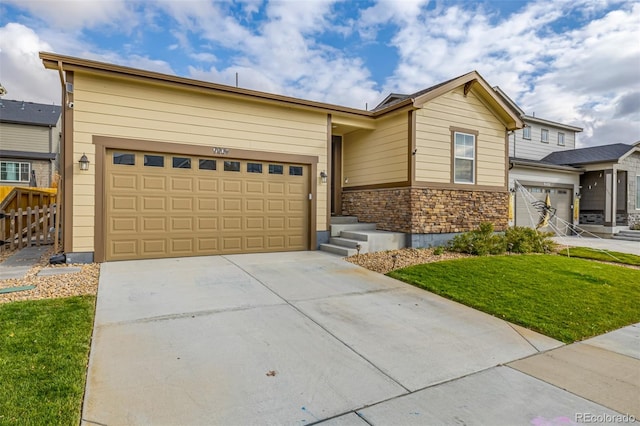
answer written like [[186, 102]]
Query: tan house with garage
[[179, 167]]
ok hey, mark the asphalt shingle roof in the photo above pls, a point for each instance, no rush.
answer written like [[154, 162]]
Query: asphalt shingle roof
[[594, 154], [401, 97], [22, 112]]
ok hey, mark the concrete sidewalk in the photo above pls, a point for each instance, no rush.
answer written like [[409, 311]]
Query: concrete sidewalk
[[305, 337], [622, 246], [18, 264]]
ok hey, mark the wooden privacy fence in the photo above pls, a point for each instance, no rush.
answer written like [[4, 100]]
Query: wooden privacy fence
[[27, 227]]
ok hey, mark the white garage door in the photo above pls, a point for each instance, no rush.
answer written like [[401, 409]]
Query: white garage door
[[528, 215]]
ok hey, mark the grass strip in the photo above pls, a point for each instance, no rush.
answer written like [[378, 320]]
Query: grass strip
[[569, 299], [44, 348]]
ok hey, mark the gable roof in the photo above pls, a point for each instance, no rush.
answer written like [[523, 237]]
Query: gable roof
[[594, 154], [21, 112], [471, 80], [389, 100]]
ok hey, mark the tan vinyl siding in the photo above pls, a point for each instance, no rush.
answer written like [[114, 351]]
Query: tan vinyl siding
[[137, 110], [433, 138], [378, 156], [19, 137]]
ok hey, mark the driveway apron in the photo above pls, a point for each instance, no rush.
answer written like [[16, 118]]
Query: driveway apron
[[301, 338]]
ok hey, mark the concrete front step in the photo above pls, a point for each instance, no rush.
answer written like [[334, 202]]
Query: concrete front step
[[377, 240], [626, 237], [340, 250], [337, 229], [350, 243], [341, 220], [629, 233]]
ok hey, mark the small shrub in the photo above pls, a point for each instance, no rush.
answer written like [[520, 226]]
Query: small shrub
[[479, 242], [438, 251], [520, 239]]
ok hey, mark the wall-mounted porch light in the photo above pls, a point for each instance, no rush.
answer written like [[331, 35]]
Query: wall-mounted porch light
[[323, 176], [84, 163]]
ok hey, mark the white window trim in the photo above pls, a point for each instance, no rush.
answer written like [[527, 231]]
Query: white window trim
[[20, 164], [473, 160], [542, 132], [561, 136], [526, 133]]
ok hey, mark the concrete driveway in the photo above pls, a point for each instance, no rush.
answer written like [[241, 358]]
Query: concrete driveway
[[300, 338]]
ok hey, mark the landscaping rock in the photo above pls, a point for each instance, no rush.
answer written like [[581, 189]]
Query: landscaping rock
[[386, 261]]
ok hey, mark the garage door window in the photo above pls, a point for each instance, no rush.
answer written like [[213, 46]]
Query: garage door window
[[124, 159], [276, 169], [181, 163], [207, 164], [295, 170], [231, 166], [254, 168], [153, 160]]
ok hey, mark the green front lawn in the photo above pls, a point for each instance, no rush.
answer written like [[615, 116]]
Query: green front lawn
[[603, 255], [568, 299], [44, 347]]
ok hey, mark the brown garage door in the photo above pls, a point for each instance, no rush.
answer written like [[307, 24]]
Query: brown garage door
[[527, 214], [163, 205]]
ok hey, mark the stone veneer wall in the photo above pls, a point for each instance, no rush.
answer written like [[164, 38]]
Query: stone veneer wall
[[390, 209], [427, 210]]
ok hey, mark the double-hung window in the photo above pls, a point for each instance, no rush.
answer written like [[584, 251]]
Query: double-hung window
[[14, 171], [560, 139], [526, 133], [544, 136], [464, 157]]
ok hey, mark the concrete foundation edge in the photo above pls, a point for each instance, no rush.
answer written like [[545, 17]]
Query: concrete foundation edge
[[322, 237], [80, 257], [429, 240]]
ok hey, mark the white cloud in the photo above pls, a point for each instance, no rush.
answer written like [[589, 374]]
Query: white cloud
[[561, 76], [73, 15], [587, 75], [22, 73], [280, 55]]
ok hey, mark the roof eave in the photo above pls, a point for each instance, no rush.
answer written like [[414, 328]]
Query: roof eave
[[69, 63], [548, 166], [552, 123], [29, 123]]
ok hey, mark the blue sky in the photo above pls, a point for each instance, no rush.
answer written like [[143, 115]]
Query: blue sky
[[573, 61]]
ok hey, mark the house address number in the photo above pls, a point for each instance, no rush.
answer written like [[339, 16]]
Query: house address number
[[220, 151]]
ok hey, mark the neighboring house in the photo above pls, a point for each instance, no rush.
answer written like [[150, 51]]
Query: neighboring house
[[180, 167], [527, 148], [29, 143], [609, 185], [595, 188]]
